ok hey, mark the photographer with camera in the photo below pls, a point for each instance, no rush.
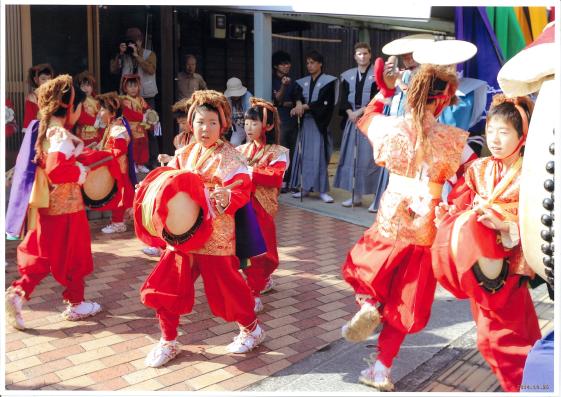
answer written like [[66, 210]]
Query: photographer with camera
[[132, 58]]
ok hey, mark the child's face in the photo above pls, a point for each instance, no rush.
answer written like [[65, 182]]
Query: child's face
[[86, 88], [502, 137], [42, 78], [206, 127], [132, 88], [253, 129], [105, 115], [183, 124]]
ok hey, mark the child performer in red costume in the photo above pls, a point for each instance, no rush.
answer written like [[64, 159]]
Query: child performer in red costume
[[36, 76], [183, 138], [86, 128], [492, 273], [185, 135], [116, 140], [219, 166], [134, 108], [268, 162], [58, 240], [390, 266]]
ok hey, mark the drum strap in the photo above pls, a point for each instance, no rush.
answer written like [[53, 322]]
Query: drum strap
[[202, 155], [150, 199], [490, 203], [258, 153], [504, 183]]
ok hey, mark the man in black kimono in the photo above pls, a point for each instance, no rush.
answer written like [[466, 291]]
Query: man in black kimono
[[319, 92]]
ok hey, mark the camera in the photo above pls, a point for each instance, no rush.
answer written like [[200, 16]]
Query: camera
[[128, 41], [129, 49]]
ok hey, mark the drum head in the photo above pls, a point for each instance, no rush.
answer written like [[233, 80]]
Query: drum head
[[100, 187], [183, 212]]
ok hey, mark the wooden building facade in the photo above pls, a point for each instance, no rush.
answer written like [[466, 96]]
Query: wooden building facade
[[222, 39]]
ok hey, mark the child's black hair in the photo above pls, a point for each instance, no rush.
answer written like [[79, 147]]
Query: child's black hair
[[508, 112], [256, 113]]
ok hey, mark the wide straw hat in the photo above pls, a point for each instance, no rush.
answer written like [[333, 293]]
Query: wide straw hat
[[525, 72], [407, 44], [445, 52], [234, 87]]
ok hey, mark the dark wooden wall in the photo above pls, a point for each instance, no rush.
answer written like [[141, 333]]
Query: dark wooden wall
[[217, 59]]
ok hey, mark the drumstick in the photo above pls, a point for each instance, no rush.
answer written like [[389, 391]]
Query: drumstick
[[233, 184], [91, 145], [99, 162], [230, 186]]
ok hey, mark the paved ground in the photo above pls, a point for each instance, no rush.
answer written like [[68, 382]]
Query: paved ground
[[303, 315]]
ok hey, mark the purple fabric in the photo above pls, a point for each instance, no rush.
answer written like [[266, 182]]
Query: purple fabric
[[472, 24], [249, 240], [24, 176], [132, 172]]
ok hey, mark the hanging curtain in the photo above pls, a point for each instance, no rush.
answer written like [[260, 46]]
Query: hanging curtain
[[507, 30]]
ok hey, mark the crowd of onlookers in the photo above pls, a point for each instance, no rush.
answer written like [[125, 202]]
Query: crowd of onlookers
[[297, 106]]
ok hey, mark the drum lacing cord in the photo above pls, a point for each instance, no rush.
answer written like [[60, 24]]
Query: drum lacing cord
[[172, 239]]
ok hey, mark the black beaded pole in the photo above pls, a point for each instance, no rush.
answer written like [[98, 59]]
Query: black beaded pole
[[548, 219]]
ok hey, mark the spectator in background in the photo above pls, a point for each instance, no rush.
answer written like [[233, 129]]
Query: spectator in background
[[356, 171], [36, 76], [189, 81], [86, 128], [238, 97], [134, 59], [284, 99], [11, 124], [318, 92]]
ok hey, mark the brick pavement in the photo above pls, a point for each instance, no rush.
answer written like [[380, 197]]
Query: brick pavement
[[303, 314], [470, 373]]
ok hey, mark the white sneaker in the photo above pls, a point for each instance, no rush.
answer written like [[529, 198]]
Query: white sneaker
[[152, 251], [362, 325], [349, 202], [136, 170], [247, 341], [143, 169], [80, 311], [377, 376], [372, 207], [14, 306], [269, 286], [297, 194], [114, 228], [258, 305], [326, 198], [163, 352]]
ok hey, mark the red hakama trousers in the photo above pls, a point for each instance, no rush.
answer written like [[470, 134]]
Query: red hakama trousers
[[118, 215], [263, 266], [507, 324], [400, 278], [170, 289], [60, 245], [506, 335], [140, 150]]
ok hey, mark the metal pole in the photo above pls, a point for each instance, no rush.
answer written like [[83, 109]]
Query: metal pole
[[355, 161], [300, 160]]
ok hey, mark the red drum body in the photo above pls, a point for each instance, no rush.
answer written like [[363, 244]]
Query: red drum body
[[101, 186], [170, 209]]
